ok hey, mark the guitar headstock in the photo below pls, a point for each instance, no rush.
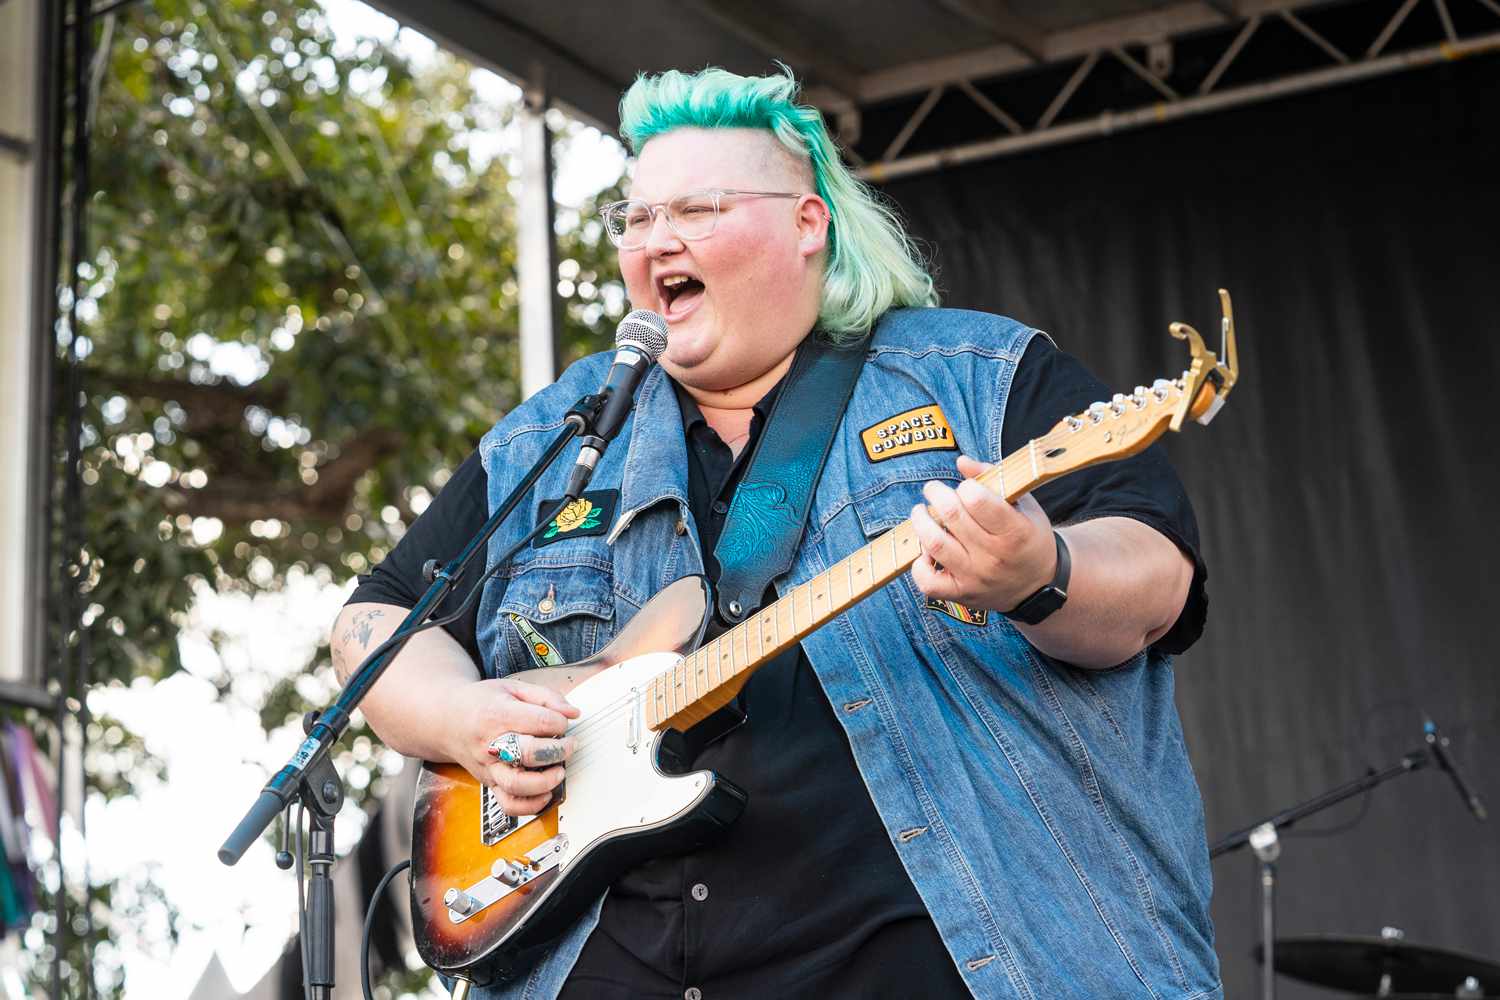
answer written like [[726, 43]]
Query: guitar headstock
[[1127, 424]]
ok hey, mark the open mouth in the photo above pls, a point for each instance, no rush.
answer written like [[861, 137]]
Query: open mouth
[[679, 294]]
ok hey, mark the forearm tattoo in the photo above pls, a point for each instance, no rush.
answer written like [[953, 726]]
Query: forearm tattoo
[[361, 627]]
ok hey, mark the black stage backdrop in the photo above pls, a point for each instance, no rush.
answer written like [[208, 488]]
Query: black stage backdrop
[[1347, 492]]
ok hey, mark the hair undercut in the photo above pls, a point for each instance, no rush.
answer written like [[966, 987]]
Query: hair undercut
[[872, 264]]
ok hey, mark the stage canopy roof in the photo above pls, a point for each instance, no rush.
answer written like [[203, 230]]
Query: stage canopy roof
[[915, 85]]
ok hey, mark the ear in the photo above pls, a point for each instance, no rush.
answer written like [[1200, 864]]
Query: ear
[[812, 224]]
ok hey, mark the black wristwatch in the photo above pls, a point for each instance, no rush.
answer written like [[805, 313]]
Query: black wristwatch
[[1049, 598]]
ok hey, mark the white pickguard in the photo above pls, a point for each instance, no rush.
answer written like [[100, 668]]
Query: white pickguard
[[612, 788]]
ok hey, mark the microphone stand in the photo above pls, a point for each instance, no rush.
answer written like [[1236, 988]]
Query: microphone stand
[[310, 776], [1264, 839]]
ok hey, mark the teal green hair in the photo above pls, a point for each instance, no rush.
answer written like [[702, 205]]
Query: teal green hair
[[872, 265]]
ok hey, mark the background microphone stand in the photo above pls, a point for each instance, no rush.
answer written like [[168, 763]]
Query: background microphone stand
[[309, 777], [1264, 839]]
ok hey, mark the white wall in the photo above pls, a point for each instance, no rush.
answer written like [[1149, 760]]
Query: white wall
[[18, 64]]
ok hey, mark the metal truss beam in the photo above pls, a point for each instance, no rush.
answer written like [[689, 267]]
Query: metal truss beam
[[1046, 134], [840, 83], [1061, 46]]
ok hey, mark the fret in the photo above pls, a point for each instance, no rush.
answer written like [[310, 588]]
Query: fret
[[857, 574], [817, 600], [715, 675], [743, 635], [705, 678], [895, 557], [848, 589], [759, 631], [726, 651], [877, 560], [691, 689], [805, 591], [679, 684], [671, 691], [869, 581], [786, 623], [775, 633]]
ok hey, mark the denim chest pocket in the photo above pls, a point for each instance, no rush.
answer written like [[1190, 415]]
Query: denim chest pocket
[[570, 606], [881, 511]]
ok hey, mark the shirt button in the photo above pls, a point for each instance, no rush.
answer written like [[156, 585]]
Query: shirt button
[[720, 507], [692, 993], [700, 892]]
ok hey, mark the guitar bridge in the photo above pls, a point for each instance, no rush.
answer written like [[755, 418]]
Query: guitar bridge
[[506, 876]]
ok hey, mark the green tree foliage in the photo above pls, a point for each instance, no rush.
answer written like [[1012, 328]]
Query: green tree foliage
[[299, 315]]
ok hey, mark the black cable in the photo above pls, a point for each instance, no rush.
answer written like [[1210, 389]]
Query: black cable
[[1337, 828], [364, 941]]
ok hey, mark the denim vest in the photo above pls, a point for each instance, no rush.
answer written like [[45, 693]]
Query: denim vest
[[1047, 815]]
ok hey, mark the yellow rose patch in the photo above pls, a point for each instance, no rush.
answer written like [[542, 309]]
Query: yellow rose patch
[[590, 514], [922, 429]]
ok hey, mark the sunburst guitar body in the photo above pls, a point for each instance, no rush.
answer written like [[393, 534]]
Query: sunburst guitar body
[[522, 882]]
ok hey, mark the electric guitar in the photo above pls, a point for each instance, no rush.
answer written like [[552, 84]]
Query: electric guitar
[[486, 888]]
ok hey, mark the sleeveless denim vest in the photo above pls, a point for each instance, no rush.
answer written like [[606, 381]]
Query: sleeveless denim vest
[[1047, 815]]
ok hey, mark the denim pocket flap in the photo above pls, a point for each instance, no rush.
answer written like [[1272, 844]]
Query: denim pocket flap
[[543, 593], [888, 505]]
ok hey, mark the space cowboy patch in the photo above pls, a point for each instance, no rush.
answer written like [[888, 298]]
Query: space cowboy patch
[[958, 612], [590, 514], [922, 429]]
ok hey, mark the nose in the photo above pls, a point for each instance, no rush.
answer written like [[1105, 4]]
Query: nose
[[661, 240]]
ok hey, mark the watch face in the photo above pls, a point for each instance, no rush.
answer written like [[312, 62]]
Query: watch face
[[1038, 606]]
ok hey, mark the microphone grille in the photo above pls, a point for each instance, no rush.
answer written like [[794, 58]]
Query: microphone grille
[[643, 330]]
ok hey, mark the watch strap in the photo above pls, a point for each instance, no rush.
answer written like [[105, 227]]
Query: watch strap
[[1049, 597]]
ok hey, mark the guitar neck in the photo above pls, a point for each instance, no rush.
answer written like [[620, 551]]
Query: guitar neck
[[708, 679]]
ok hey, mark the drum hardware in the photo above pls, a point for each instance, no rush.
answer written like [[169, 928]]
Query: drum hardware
[[1389, 965], [1264, 839]]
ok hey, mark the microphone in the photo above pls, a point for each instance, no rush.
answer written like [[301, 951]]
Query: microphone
[[640, 339], [1438, 745]]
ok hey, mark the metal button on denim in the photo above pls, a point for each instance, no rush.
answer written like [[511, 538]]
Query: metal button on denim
[[692, 993], [700, 892]]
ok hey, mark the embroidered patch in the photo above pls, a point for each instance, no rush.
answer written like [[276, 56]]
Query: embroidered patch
[[959, 613], [543, 653], [922, 429], [590, 514]]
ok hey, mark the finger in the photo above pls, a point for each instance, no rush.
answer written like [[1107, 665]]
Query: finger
[[971, 468], [937, 544], [987, 509], [537, 694], [528, 806], [523, 783], [932, 581], [539, 752], [531, 720], [948, 511]]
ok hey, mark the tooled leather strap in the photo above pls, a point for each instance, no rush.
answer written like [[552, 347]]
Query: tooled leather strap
[[769, 512]]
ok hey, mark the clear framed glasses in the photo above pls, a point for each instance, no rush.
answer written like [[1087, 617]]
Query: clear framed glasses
[[691, 216]]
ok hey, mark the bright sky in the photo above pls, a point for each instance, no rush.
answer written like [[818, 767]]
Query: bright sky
[[216, 753]]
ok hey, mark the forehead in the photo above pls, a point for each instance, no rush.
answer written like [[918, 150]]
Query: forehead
[[688, 159]]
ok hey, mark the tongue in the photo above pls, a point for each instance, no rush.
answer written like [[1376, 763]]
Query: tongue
[[685, 297]]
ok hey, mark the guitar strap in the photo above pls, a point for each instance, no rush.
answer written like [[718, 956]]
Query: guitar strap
[[769, 512]]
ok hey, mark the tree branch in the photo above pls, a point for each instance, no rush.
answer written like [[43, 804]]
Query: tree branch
[[238, 499], [208, 406]]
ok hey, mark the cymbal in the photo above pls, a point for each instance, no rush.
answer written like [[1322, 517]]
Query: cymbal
[[1358, 964]]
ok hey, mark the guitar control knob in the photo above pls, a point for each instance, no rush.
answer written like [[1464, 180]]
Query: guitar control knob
[[509, 872], [459, 902]]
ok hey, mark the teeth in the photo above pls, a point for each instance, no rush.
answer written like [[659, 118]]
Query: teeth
[[675, 280]]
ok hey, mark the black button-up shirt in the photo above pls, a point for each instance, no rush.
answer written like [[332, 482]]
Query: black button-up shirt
[[804, 895]]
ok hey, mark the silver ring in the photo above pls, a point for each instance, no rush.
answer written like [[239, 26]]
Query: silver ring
[[507, 748]]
